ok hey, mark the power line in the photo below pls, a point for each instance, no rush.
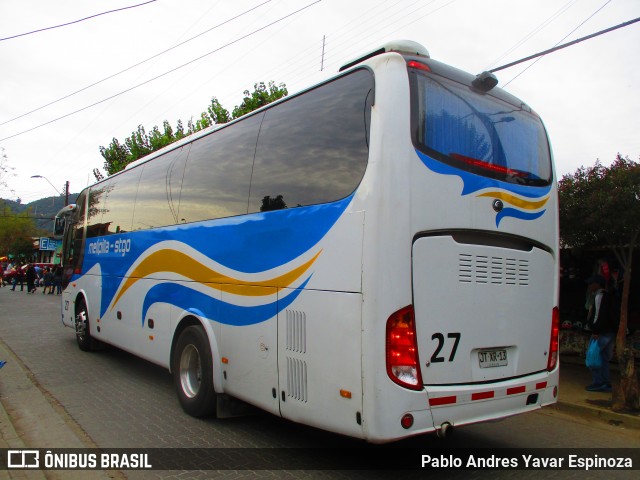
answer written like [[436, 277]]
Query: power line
[[132, 66], [564, 45], [162, 74], [562, 39], [76, 21], [536, 30]]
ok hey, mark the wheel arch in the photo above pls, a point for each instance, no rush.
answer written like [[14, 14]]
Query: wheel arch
[[196, 318]]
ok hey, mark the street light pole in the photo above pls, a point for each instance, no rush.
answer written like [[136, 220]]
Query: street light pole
[[66, 188], [40, 176]]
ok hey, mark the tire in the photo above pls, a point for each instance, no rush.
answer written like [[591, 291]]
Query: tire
[[83, 333], [192, 371]]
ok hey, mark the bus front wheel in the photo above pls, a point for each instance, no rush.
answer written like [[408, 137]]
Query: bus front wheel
[[192, 370], [83, 333]]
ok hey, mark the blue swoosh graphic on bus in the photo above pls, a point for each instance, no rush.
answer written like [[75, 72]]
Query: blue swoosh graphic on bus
[[246, 244], [472, 183], [214, 309], [512, 212]]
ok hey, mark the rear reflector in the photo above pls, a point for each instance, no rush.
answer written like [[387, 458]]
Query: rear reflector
[[437, 401], [403, 366], [516, 390], [482, 395]]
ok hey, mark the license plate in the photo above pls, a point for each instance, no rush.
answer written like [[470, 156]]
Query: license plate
[[492, 358]]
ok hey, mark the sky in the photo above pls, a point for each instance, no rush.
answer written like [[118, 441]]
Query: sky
[[66, 91]]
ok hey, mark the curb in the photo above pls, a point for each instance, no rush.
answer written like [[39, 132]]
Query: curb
[[610, 417], [592, 411], [31, 418]]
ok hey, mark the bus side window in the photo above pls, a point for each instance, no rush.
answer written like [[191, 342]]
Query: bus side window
[[119, 198], [158, 195], [218, 172], [313, 148]]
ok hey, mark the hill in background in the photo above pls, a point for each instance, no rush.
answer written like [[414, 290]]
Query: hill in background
[[42, 211]]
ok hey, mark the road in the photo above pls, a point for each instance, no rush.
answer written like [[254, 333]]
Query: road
[[120, 401]]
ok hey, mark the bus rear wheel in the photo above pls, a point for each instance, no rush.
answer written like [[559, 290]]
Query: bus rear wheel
[[192, 370]]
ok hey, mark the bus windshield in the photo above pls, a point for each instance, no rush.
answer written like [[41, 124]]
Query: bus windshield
[[480, 133]]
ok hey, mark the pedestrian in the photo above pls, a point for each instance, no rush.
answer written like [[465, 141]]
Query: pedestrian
[[47, 279], [604, 326], [57, 280], [18, 277], [38, 281], [31, 278]]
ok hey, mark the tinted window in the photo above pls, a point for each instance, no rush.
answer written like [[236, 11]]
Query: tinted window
[[218, 173], [158, 196], [74, 237], [118, 194], [313, 148], [97, 194], [480, 133]]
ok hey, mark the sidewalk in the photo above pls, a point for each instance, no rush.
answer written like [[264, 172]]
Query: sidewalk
[[574, 399], [31, 418]]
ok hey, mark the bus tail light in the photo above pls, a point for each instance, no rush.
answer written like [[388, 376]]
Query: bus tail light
[[418, 65], [403, 366], [554, 342]]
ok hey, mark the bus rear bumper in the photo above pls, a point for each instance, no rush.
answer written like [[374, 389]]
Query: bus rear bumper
[[463, 405]]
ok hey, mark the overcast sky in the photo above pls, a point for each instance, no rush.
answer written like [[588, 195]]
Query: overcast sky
[[586, 94]]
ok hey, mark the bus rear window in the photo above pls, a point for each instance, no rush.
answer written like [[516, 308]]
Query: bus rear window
[[479, 133]]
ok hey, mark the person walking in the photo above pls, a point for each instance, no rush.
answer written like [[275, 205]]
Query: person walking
[[604, 326], [31, 278], [57, 280], [47, 280], [18, 277]]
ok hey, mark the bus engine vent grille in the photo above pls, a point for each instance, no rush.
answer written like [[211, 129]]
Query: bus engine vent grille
[[492, 270], [296, 331], [297, 379], [296, 347]]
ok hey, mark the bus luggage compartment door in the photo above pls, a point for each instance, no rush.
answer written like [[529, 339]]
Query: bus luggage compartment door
[[483, 313]]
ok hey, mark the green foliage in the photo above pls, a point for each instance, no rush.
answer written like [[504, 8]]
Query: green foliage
[[260, 97], [600, 205], [16, 231], [217, 112], [117, 155]]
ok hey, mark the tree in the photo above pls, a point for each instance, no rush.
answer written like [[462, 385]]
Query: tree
[[217, 112], [600, 206], [260, 97], [117, 156], [16, 232]]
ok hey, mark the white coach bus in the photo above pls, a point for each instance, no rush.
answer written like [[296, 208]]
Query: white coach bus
[[375, 256]]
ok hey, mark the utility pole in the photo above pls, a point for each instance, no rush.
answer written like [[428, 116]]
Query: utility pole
[[66, 193], [322, 58]]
